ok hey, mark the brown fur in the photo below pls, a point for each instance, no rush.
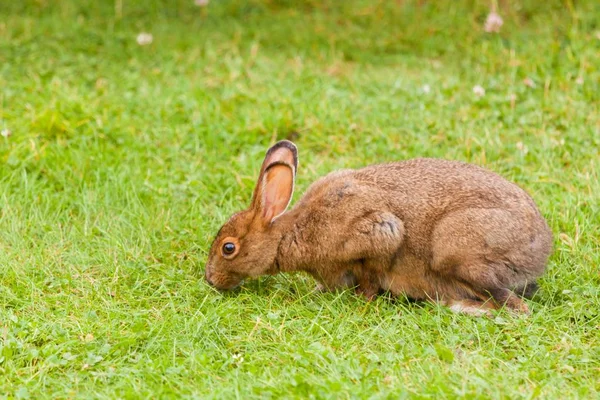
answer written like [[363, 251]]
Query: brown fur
[[430, 229]]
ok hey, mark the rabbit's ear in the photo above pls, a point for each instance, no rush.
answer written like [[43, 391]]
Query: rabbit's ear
[[275, 184]]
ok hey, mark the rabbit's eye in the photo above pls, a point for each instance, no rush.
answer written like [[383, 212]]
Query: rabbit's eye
[[228, 248]]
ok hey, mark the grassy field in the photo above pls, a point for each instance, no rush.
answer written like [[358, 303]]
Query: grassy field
[[119, 162]]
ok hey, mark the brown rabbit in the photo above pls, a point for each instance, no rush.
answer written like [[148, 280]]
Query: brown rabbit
[[429, 229]]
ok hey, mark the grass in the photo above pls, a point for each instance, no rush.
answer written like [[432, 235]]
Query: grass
[[123, 161]]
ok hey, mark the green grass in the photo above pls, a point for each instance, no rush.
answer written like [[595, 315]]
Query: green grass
[[124, 160]]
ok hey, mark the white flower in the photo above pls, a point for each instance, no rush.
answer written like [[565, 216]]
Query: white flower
[[238, 358], [144, 39], [478, 90], [493, 22], [6, 133], [426, 88], [522, 148], [579, 80], [201, 3]]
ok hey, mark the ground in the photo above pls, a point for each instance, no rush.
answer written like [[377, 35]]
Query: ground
[[119, 161]]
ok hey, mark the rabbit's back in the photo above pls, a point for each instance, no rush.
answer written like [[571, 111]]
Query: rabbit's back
[[419, 191], [442, 185]]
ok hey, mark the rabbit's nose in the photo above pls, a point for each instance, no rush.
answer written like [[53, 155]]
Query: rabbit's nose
[[207, 277], [211, 283]]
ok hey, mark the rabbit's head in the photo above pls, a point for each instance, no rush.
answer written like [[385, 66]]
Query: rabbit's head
[[246, 246]]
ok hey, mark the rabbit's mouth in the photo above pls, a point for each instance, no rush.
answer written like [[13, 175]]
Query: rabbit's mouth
[[228, 288], [222, 281]]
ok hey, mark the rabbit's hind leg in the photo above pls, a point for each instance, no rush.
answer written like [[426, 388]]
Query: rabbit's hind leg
[[476, 308], [483, 249], [492, 300], [507, 298]]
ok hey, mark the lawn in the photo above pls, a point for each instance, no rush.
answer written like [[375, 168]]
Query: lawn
[[120, 161]]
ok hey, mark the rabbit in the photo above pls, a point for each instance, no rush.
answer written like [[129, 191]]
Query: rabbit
[[428, 229]]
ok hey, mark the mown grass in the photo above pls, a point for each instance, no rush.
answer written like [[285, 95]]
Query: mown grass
[[123, 160]]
